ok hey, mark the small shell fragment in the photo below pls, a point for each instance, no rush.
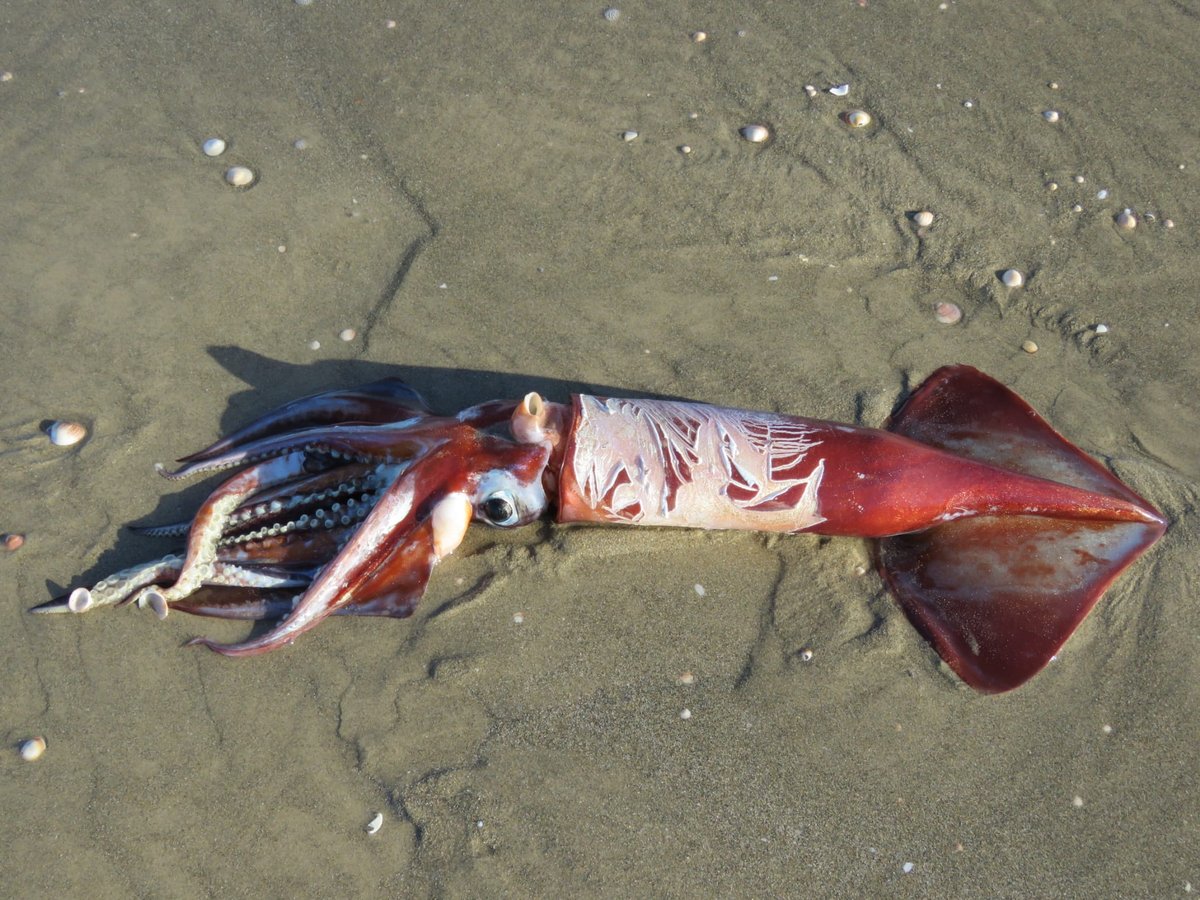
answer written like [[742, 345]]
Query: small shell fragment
[[629, 135], [856, 118], [806, 654], [840, 90], [66, 434], [1012, 278], [1101, 329], [612, 14], [375, 824], [32, 748], [923, 218], [347, 334], [1051, 115], [214, 146], [240, 176], [755, 134], [699, 37], [1029, 346]]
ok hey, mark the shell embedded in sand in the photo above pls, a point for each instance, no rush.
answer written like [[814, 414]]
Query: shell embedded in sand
[[13, 541], [214, 146], [1126, 220], [923, 218], [948, 313], [755, 134], [1029, 346], [1051, 115], [1012, 278], [240, 176], [375, 824], [629, 135], [856, 118], [66, 434], [32, 749]]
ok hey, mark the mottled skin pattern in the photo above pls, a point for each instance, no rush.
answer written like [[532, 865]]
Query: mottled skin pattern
[[995, 533]]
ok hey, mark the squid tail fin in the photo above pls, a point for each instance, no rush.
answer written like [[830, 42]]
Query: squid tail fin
[[998, 595]]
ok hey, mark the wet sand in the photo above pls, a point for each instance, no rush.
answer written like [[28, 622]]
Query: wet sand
[[465, 201]]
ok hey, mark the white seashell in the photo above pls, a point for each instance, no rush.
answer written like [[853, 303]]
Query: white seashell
[[948, 313], [612, 14], [629, 135], [1051, 115], [1126, 220], [66, 434], [840, 90], [699, 37], [214, 146], [375, 824], [240, 176], [1029, 346], [32, 749], [81, 600], [1012, 278], [755, 134], [810, 90], [1101, 328], [924, 218], [856, 118], [347, 334], [685, 149]]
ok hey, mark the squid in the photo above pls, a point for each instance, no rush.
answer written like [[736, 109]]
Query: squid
[[996, 535]]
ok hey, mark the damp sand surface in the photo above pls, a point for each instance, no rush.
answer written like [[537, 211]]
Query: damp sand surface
[[457, 190]]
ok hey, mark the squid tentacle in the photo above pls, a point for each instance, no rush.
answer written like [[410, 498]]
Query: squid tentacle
[[210, 521], [352, 443], [380, 402], [390, 524]]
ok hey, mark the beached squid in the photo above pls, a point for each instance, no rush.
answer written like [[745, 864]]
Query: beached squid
[[995, 533]]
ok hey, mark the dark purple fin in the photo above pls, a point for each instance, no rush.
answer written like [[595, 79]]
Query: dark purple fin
[[999, 595], [386, 400]]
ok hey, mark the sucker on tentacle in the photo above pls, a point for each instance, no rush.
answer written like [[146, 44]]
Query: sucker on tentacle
[[996, 534]]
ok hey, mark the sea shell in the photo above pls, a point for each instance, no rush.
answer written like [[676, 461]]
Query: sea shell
[[840, 90], [32, 749], [214, 146], [629, 135], [375, 824], [1051, 115], [923, 218], [1126, 220], [240, 176], [948, 313], [66, 434], [1029, 346], [1012, 278], [755, 134], [856, 118], [14, 541], [699, 37]]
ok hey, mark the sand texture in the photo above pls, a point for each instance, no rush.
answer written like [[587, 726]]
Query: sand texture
[[465, 201]]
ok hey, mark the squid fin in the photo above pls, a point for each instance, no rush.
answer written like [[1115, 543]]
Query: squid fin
[[998, 595]]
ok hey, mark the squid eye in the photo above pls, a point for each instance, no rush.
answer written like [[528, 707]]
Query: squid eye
[[499, 509]]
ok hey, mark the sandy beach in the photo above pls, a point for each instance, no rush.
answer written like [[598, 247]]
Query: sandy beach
[[456, 184]]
